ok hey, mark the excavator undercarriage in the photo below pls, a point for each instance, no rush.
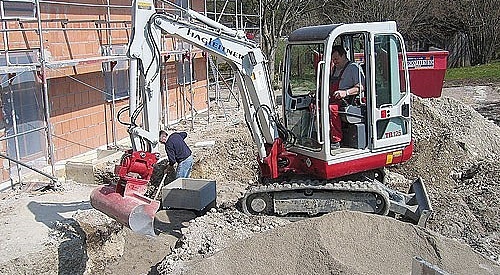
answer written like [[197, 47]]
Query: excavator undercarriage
[[309, 198]]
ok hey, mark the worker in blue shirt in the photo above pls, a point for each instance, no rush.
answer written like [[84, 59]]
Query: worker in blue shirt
[[178, 152]]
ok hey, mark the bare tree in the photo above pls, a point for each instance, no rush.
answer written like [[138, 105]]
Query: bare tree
[[464, 26], [278, 18], [481, 20], [411, 16]]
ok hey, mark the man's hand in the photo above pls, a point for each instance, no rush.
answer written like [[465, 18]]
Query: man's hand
[[339, 94]]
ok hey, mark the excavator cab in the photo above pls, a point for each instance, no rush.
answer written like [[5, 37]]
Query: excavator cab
[[376, 128], [375, 122]]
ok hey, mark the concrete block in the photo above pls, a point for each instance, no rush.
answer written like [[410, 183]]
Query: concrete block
[[89, 168], [191, 194]]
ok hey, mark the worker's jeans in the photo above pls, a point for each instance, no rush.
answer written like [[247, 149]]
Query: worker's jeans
[[184, 168]]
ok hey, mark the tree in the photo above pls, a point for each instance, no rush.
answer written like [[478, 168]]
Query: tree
[[411, 16], [473, 23], [278, 18], [481, 21]]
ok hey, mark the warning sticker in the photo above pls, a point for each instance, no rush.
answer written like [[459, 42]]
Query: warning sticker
[[144, 5], [388, 159]]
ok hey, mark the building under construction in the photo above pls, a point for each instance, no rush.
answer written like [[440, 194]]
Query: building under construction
[[64, 77]]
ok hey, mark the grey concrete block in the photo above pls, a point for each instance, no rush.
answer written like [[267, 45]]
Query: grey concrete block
[[192, 194]]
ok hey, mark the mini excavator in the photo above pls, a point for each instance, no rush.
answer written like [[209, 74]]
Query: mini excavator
[[300, 174]]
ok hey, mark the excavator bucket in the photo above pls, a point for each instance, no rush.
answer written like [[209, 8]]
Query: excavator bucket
[[132, 209], [125, 200]]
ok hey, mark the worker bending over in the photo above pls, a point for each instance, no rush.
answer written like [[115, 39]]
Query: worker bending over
[[178, 152]]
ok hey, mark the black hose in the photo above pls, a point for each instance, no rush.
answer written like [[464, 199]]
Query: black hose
[[287, 136], [120, 112]]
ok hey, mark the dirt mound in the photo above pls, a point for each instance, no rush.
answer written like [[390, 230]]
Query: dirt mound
[[343, 243], [456, 153], [231, 161]]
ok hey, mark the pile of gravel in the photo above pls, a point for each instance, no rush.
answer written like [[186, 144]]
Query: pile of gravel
[[212, 232], [342, 243], [456, 154]]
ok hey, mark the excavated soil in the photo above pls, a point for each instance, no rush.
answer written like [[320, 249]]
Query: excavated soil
[[456, 154]]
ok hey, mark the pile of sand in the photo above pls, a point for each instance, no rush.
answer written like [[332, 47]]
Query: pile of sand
[[343, 243]]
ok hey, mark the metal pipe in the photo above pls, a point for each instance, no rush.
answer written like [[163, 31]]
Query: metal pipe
[[191, 86], [260, 24], [236, 15], [66, 29], [14, 127], [80, 4], [207, 74], [6, 41], [165, 94], [45, 94], [54, 179], [23, 133], [113, 100]]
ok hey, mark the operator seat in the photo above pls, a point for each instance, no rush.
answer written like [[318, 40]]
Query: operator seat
[[353, 117]]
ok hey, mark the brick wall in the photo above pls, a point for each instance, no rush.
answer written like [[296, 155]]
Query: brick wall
[[80, 115]]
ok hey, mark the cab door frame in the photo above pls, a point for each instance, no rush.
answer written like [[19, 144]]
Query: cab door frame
[[389, 112]]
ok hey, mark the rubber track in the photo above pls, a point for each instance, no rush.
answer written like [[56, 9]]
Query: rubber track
[[324, 185]]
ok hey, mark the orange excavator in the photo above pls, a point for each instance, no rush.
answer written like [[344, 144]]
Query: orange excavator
[[302, 174]]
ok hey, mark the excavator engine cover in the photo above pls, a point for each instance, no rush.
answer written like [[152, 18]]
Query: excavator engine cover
[[125, 200]]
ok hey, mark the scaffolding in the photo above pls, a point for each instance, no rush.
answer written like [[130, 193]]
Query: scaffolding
[[221, 86], [27, 18]]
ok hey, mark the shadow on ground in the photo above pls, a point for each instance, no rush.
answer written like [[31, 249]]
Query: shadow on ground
[[72, 251]]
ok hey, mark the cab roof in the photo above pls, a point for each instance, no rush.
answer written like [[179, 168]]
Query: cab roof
[[321, 32], [312, 33]]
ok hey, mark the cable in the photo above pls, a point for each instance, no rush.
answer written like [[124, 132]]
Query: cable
[[136, 113], [287, 136], [120, 112], [155, 51]]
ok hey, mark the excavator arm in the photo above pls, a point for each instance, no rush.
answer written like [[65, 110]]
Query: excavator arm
[[126, 201], [245, 58]]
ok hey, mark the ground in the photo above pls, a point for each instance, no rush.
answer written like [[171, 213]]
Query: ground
[[456, 153]]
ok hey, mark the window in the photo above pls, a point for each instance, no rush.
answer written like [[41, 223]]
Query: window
[[302, 71], [22, 111], [389, 73], [22, 57], [116, 75], [389, 84], [13, 9]]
